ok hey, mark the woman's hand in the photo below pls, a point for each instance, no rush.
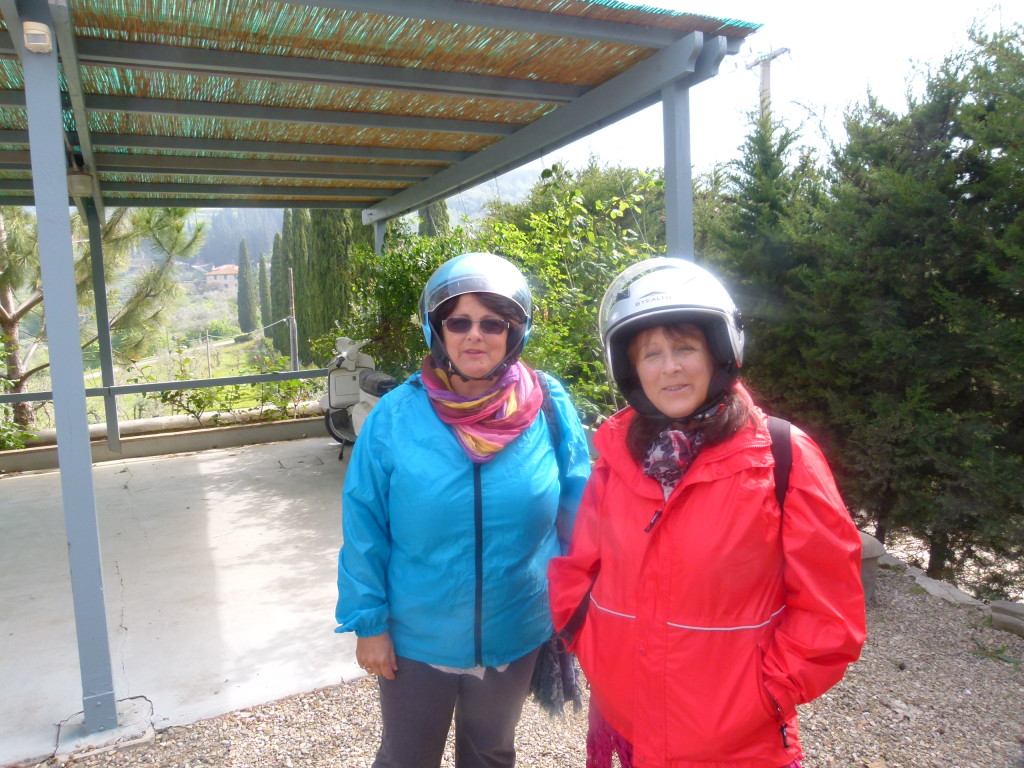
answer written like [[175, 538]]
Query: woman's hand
[[376, 654]]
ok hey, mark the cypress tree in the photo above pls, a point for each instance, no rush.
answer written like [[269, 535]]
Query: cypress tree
[[266, 310], [279, 288], [330, 235], [248, 310], [306, 293]]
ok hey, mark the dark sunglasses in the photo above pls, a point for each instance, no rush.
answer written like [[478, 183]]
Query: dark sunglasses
[[489, 325]]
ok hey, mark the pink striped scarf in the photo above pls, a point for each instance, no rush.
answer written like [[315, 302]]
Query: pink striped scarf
[[484, 425]]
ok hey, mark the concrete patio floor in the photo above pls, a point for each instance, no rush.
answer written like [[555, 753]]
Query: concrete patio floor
[[219, 580]]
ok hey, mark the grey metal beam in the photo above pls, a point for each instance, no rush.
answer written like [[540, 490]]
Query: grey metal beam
[[115, 162], [629, 91], [8, 136], [224, 111], [504, 17], [64, 29], [217, 202], [56, 256], [19, 185], [241, 146], [320, 71], [99, 289], [208, 202], [184, 190], [12, 98], [14, 159]]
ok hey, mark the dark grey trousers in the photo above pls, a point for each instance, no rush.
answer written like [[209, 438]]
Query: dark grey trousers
[[418, 705]]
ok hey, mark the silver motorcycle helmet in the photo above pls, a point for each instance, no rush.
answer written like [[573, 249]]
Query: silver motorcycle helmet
[[669, 291], [475, 273]]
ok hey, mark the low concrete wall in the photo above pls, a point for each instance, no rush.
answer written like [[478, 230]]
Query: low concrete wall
[[163, 443]]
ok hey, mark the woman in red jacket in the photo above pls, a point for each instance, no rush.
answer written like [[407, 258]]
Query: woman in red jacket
[[710, 611]]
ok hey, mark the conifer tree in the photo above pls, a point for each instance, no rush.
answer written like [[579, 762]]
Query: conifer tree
[[266, 310], [916, 326], [330, 271], [248, 308], [279, 298], [758, 244], [305, 287]]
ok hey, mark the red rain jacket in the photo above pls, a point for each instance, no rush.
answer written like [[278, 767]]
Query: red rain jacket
[[704, 632]]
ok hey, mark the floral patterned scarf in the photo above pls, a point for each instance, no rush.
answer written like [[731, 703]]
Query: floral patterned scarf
[[670, 455], [484, 425]]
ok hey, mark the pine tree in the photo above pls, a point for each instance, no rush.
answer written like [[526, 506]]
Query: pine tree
[[915, 325], [248, 308], [135, 309], [757, 243], [266, 309]]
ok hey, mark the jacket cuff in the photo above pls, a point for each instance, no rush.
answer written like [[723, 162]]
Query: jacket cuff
[[371, 630], [365, 623]]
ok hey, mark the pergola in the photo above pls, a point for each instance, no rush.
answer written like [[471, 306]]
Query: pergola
[[380, 105]]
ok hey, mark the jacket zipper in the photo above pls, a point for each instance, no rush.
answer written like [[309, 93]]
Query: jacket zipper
[[783, 727], [650, 525], [478, 521]]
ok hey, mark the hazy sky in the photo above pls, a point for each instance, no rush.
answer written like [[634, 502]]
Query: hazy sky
[[837, 52]]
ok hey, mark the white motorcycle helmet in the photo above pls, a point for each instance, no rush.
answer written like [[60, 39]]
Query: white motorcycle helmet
[[475, 273], [667, 291]]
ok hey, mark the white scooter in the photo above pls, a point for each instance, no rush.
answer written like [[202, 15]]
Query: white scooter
[[353, 387]]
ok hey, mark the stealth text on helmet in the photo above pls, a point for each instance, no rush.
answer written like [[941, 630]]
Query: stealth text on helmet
[[650, 298]]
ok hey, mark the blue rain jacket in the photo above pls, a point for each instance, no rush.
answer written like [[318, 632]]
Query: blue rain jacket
[[449, 556]]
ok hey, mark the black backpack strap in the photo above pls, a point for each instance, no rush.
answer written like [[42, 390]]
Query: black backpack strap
[[782, 451]]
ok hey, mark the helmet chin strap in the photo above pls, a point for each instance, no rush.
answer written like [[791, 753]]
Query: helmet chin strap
[[499, 368], [495, 371]]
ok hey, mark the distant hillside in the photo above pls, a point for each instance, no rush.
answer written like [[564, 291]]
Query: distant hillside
[[226, 228]]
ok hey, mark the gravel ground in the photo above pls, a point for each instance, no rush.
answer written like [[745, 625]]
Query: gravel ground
[[936, 687]]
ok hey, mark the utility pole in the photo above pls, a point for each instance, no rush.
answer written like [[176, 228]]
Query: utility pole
[[765, 61]]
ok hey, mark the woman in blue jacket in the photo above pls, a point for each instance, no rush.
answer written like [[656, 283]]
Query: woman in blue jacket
[[455, 499]]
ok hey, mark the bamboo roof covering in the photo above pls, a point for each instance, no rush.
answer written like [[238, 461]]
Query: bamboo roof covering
[[381, 105]]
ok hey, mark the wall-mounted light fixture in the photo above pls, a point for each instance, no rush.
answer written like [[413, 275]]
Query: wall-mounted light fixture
[[37, 37]]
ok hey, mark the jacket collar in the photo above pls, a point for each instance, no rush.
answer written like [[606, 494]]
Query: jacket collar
[[750, 445]]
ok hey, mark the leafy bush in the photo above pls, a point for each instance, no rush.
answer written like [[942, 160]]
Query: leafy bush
[[12, 434], [384, 305], [570, 248]]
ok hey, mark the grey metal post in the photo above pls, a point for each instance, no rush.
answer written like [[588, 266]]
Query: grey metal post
[[99, 285], [379, 228], [56, 256], [675, 106]]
